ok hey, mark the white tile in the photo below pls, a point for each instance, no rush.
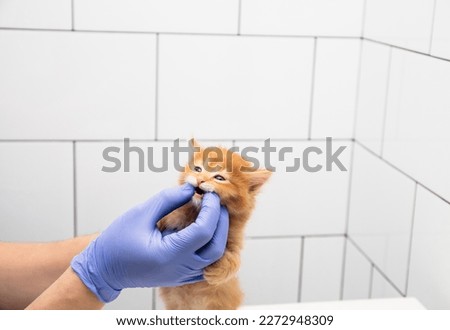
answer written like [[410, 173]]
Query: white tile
[[440, 45], [417, 119], [302, 17], [159, 304], [63, 85], [335, 82], [36, 191], [381, 288], [36, 14], [270, 270], [195, 16], [405, 23], [234, 87], [322, 268], [381, 209], [357, 274], [428, 275], [372, 95], [103, 196], [132, 299], [301, 202]]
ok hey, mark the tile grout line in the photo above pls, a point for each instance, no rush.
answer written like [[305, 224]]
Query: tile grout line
[[402, 172], [239, 17], [172, 140], [224, 34], [154, 290], [182, 33], [363, 24], [433, 192], [386, 101], [344, 257], [407, 49], [313, 81], [347, 217], [371, 280], [375, 266], [156, 85], [408, 261], [74, 164], [300, 272], [294, 236], [433, 17], [349, 192], [357, 89], [72, 5]]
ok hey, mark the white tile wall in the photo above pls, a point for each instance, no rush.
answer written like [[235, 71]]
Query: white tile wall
[[428, 275], [381, 209], [159, 304], [102, 196], [372, 95], [417, 134], [195, 16], [36, 14], [381, 288], [234, 87], [357, 274], [440, 44], [302, 17], [63, 85], [36, 191], [322, 268], [133, 299], [321, 197], [335, 81], [404, 23], [98, 86], [270, 270]]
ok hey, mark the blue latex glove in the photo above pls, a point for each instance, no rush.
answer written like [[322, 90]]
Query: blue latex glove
[[132, 252]]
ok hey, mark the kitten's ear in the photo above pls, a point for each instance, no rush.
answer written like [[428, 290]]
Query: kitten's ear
[[257, 179], [194, 144], [194, 149]]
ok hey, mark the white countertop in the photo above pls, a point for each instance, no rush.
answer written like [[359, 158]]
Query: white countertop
[[377, 304]]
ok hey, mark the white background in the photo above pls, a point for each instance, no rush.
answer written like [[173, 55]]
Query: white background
[[77, 76]]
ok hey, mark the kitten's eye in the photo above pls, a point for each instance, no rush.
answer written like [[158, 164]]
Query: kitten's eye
[[197, 169], [219, 177]]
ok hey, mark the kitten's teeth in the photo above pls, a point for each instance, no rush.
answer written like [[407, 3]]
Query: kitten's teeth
[[207, 187], [191, 180]]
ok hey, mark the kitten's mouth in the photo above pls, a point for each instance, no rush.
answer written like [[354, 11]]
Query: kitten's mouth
[[199, 191]]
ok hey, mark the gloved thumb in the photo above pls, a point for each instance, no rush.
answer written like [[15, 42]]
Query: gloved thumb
[[167, 201], [200, 232]]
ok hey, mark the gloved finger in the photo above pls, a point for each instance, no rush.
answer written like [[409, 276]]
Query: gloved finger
[[168, 200], [193, 279], [200, 232], [166, 232], [215, 248]]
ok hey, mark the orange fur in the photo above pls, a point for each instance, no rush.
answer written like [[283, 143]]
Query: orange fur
[[220, 290]]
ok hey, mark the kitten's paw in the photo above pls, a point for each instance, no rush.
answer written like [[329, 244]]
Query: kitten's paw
[[163, 224], [222, 270]]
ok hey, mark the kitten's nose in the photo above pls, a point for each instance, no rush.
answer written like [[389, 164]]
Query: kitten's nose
[[202, 181]]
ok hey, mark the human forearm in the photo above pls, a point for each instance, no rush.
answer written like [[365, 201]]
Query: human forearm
[[30, 268], [67, 292]]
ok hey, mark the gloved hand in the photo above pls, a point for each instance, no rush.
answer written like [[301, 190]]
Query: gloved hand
[[132, 252]]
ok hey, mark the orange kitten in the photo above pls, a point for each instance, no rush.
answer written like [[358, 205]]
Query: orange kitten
[[237, 190]]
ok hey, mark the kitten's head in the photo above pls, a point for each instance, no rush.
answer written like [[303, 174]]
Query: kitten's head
[[227, 174]]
